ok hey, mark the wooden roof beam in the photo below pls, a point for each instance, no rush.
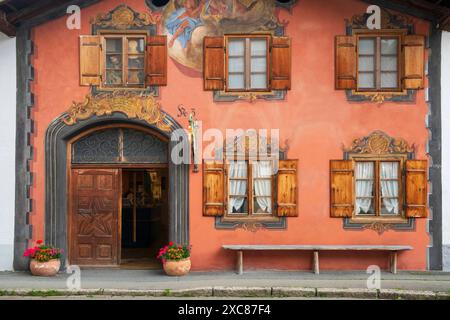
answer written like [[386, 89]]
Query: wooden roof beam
[[5, 26], [444, 24], [34, 10]]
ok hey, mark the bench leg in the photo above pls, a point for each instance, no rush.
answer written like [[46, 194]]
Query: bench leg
[[393, 262], [316, 262], [240, 262]]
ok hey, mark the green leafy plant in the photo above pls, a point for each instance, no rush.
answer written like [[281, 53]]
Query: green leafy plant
[[174, 251], [45, 293], [42, 252], [167, 293]]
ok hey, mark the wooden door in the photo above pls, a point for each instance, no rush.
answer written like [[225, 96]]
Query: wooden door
[[94, 216]]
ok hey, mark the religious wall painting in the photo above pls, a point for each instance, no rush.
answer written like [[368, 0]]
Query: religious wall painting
[[187, 22]]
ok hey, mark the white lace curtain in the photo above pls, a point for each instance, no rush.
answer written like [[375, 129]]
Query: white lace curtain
[[364, 187], [238, 187], [262, 184], [389, 188], [388, 185]]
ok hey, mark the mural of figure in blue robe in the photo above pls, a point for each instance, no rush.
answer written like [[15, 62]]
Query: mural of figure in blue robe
[[183, 21]]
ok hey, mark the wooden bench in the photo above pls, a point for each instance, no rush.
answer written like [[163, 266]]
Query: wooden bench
[[393, 250]]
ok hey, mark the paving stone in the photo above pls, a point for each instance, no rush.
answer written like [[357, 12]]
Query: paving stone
[[242, 292], [293, 292], [406, 295], [137, 293], [443, 295], [347, 293], [197, 292]]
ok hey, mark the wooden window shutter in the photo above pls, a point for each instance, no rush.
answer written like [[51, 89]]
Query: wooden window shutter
[[213, 189], [213, 63], [345, 60], [90, 56], [341, 188], [156, 61], [413, 61], [287, 188], [280, 78], [416, 189]]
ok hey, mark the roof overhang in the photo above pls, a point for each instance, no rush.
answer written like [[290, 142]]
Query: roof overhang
[[14, 13]]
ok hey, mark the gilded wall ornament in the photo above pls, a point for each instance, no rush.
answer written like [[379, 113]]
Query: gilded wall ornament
[[251, 145], [388, 21], [380, 97], [123, 17], [251, 96], [136, 106], [378, 227], [251, 226], [379, 142]]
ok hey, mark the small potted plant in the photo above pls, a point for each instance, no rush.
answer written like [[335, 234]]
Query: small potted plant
[[45, 260], [176, 259]]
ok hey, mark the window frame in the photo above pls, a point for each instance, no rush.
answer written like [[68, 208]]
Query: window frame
[[378, 217], [378, 35], [111, 34], [247, 61], [250, 216]]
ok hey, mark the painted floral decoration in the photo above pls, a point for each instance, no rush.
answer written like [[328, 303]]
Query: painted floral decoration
[[174, 251], [42, 252]]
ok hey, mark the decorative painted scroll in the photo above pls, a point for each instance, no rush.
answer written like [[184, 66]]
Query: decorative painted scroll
[[123, 17], [388, 21], [379, 142], [379, 227], [137, 106]]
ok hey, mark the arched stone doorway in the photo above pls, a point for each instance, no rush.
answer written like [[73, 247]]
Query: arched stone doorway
[[61, 136]]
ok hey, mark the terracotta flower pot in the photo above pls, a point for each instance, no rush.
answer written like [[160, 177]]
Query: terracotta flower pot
[[177, 268], [45, 269]]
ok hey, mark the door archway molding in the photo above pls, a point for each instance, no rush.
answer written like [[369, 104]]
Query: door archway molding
[[59, 133]]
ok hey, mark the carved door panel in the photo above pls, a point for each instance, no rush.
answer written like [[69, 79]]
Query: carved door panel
[[94, 238]]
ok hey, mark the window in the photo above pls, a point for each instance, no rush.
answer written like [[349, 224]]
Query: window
[[243, 190], [247, 63], [250, 188], [378, 63], [378, 188], [388, 61], [124, 61]]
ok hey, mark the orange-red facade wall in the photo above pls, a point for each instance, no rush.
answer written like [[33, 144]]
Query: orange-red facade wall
[[315, 118]]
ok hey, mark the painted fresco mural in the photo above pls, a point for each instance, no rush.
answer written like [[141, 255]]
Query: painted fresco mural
[[187, 22]]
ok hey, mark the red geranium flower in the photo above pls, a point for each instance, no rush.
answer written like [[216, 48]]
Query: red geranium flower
[[39, 242]]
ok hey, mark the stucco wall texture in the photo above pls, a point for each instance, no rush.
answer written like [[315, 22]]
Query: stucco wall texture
[[7, 149], [315, 118]]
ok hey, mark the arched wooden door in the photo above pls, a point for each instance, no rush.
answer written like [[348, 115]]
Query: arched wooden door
[[94, 216], [97, 158]]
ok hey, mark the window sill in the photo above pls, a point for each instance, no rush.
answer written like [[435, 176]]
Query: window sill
[[152, 90], [121, 88], [373, 219], [262, 218], [250, 223], [380, 226], [231, 96], [381, 96]]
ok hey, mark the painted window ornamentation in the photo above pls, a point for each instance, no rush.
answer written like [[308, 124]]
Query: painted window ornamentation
[[379, 184], [378, 65]]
